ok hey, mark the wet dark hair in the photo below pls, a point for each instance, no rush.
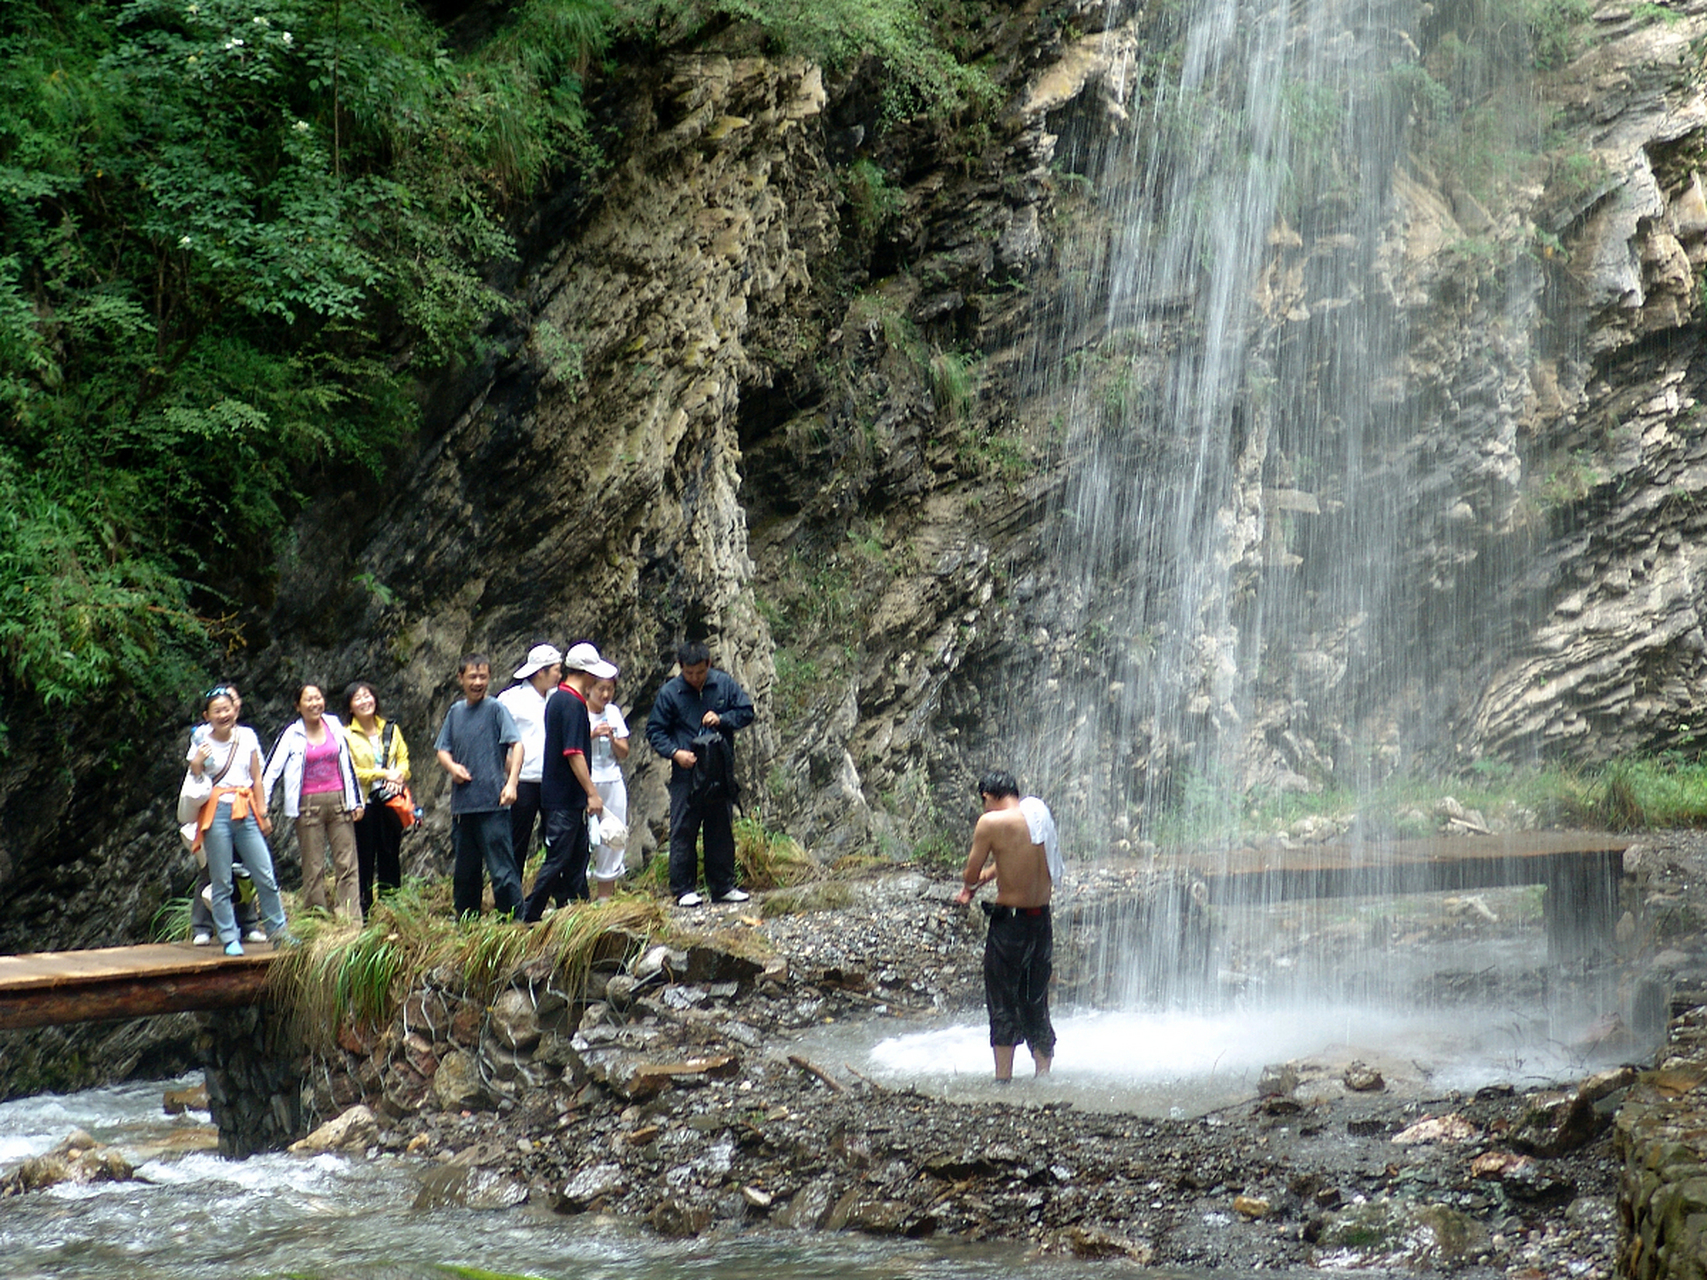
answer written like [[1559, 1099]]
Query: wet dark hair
[[691, 653], [350, 692], [472, 660], [997, 783]]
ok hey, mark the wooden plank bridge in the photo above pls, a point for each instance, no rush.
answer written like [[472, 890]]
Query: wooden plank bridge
[[50, 988], [1581, 870]]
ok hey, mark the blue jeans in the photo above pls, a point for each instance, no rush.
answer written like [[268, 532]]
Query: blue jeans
[[217, 842], [483, 839]]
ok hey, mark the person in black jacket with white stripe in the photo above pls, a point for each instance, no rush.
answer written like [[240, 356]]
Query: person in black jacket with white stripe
[[700, 698]]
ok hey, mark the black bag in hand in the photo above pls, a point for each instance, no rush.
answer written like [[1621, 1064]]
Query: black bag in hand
[[713, 770]]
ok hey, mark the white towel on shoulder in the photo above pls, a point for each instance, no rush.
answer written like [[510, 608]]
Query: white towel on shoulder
[[1041, 824]]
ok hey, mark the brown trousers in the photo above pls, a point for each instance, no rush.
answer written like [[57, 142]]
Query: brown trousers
[[322, 821]]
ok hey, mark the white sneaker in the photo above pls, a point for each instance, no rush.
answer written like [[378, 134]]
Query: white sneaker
[[734, 895], [690, 899], [202, 940], [255, 935]]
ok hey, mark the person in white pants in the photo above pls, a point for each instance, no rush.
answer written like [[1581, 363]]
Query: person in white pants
[[610, 749]]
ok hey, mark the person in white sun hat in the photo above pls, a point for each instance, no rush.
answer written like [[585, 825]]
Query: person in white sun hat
[[610, 749], [536, 680]]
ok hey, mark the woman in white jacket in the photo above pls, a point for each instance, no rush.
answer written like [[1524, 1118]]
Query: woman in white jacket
[[322, 797]]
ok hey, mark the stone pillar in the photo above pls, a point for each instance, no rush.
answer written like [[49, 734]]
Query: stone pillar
[[254, 1074]]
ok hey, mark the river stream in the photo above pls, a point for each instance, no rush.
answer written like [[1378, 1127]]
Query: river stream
[[193, 1216]]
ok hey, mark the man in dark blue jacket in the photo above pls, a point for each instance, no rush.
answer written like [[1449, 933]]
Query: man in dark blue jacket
[[700, 698]]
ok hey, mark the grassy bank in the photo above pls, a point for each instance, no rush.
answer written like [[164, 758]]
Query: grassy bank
[[1630, 794], [341, 973]]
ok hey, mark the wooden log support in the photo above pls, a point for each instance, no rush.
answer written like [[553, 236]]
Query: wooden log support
[[51, 988], [1581, 906]]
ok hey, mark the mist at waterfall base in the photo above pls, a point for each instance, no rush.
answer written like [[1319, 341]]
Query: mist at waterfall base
[[1442, 994]]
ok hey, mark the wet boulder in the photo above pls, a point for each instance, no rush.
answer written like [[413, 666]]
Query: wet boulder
[[513, 1021], [679, 1217], [1252, 1208], [1359, 1077], [1557, 1124], [457, 1084], [79, 1159], [1278, 1080], [463, 1187], [1387, 1233], [177, 1101], [709, 963], [953, 1166], [1090, 1242], [809, 1207], [354, 1129], [859, 1210], [588, 1187], [660, 962], [636, 1074], [1447, 1128]]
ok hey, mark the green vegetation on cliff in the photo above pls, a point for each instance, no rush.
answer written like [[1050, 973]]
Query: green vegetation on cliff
[[1633, 793], [237, 238]]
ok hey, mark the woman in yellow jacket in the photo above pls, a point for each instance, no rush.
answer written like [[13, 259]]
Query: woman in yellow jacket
[[381, 758]]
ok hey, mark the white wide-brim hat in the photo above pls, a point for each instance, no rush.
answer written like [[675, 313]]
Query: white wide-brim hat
[[540, 657], [585, 657]]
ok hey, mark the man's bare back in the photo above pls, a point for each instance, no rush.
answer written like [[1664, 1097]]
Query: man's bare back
[[1002, 849]]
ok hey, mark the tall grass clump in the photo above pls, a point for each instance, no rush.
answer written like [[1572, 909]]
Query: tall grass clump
[[953, 383], [769, 859], [1656, 792], [341, 973], [171, 922]]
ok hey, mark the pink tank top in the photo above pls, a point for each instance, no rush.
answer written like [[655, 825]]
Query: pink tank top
[[320, 768]]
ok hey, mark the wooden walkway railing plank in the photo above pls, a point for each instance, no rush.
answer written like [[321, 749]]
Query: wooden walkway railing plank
[[49, 988], [1348, 868]]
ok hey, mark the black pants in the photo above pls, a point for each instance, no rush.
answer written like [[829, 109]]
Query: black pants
[[482, 840], [201, 915], [379, 837], [1019, 957], [687, 821], [564, 873], [522, 815]]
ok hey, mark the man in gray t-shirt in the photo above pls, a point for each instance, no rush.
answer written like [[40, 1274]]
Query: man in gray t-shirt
[[481, 749]]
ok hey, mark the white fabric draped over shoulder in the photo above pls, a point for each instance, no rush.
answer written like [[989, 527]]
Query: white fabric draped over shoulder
[[1040, 823]]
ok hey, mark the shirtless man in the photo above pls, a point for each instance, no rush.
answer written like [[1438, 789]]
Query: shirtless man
[[1015, 845]]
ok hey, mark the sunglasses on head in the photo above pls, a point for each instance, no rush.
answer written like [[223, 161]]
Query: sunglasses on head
[[219, 691]]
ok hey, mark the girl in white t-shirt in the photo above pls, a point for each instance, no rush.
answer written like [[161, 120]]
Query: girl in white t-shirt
[[234, 819], [610, 749]]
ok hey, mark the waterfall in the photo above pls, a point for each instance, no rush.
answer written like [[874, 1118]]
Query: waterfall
[[1270, 574]]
